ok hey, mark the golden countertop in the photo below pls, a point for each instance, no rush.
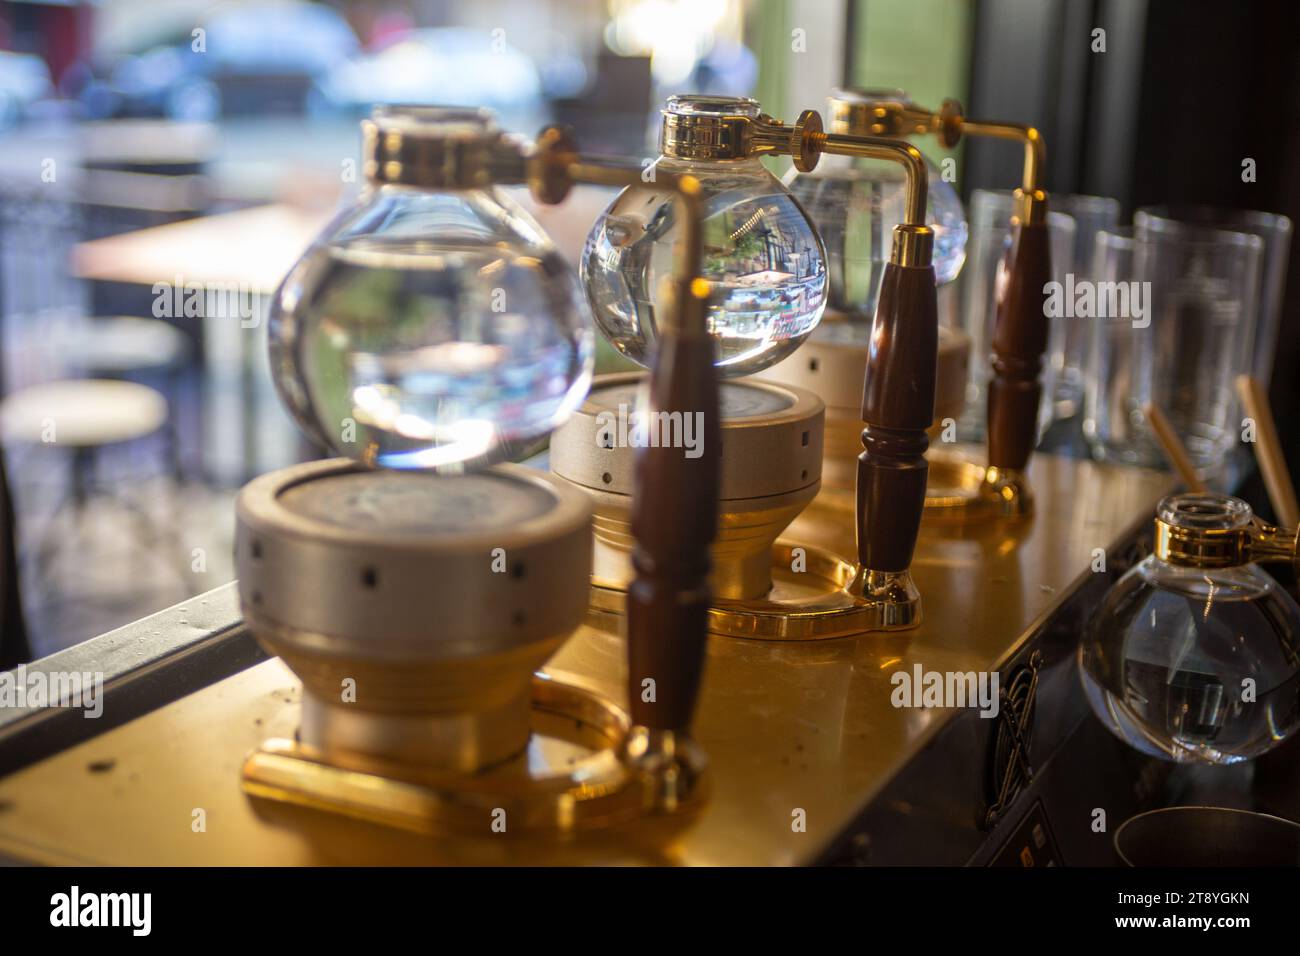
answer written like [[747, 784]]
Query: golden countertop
[[788, 726]]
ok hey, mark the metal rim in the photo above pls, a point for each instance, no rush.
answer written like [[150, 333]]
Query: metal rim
[[259, 508], [1179, 811], [578, 458]]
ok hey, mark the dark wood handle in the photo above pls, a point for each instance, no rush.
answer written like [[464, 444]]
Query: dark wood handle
[[897, 408], [674, 519], [1019, 341]]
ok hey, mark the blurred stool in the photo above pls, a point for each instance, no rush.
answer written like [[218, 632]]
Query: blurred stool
[[118, 347], [83, 416]]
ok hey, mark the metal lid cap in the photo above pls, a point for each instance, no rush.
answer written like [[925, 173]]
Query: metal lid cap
[[386, 565], [437, 147], [708, 127], [771, 437]]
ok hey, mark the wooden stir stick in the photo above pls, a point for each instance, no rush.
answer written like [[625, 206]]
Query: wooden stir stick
[[1173, 447], [1268, 452]]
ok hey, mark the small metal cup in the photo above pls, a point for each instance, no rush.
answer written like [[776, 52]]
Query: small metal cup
[[1207, 836]]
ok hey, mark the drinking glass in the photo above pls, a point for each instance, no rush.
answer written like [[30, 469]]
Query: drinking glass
[[1273, 229], [1174, 327], [990, 238], [1091, 214]]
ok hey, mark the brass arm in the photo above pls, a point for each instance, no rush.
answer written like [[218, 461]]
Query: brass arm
[[555, 166], [740, 136], [1031, 199], [669, 596], [913, 239], [893, 115]]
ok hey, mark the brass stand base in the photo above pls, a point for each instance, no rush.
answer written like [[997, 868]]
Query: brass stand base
[[960, 489], [585, 768], [813, 597]]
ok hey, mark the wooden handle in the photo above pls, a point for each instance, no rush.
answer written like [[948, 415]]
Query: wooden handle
[[1019, 341], [1268, 452], [674, 519], [897, 407]]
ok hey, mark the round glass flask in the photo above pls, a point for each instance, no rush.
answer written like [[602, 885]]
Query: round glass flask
[[432, 325], [855, 204], [763, 260], [1194, 654]]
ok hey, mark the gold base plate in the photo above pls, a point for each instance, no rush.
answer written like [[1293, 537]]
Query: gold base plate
[[955, 487], [571, 777], [811, 604], [960, 489]]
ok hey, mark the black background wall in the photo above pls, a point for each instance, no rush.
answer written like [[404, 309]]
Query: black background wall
[[1185, 90]]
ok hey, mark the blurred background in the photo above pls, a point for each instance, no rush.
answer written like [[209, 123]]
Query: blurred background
[[163, 162]]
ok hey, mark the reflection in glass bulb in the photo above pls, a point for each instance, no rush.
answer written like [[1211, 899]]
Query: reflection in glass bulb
[[764, 263], [430, 330], [855, 205]]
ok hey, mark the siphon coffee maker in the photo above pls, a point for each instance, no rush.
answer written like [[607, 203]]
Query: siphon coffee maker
[[416, 583], [765, 264]]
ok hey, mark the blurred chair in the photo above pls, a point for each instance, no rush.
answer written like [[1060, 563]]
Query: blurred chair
[[123, 348], [84, 416], [14, 646], [136, 174], [131, 175]]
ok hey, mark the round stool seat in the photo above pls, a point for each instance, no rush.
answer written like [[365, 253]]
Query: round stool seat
[[126, 344], [85, 413]]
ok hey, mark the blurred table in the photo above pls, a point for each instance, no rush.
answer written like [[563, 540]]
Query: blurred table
[[248, 251], [255, 247], [258, 246], [251, 250]]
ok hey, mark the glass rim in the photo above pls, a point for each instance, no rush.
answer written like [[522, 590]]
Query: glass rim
[[434, 120], [1148, 227], [871, 94], [1205, 215], [686, 104], [1117, 237], [984, 194], [1089, 201], [1000, 201], [1206, 238], [1211, 510]]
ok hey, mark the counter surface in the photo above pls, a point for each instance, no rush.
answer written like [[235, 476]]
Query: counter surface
[[794, 731]]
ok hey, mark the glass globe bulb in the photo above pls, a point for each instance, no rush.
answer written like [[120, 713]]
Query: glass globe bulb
[[427, 328], [1195, 664], [855, 203], [763, 259]]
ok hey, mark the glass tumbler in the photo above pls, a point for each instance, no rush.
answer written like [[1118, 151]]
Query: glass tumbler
[[990, 239], [1091, 214], [1273, 229], [1174, 325]]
